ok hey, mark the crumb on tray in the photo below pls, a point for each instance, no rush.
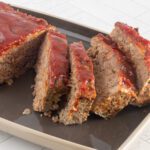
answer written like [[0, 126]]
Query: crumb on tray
[[55, 119], [9, 82], [26, 111], [47, 114]]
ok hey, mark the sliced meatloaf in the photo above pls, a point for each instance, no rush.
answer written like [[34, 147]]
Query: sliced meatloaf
[[113, 77], [51, 72], [82, 92], [20, 38], [137, 49]]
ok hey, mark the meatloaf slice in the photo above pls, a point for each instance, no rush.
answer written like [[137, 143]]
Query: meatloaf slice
[[20, 38], [113, 77], [137, 49], [51, 72], [82, 92]]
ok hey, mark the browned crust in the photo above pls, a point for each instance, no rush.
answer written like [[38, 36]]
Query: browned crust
[[18, 59], [83, 91], [53, 52], [110, 104]]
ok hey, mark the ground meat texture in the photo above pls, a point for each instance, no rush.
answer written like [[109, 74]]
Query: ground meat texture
[[113, 77], [83, 92], [20, 38], [137, 49], [51, 72]]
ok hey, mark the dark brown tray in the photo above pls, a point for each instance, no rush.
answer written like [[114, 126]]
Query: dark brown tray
[[96, 132]]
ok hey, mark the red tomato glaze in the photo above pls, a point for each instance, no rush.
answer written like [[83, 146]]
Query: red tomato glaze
[[84, 69], [15, 26], [58, 61]]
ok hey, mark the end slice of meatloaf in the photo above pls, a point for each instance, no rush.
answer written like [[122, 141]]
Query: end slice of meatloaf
[[51, 72], [82, 92], [137, 49], [113, 77], [20, 38]]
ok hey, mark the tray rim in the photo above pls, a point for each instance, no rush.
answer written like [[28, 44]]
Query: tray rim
[[126, 144], [39, 138]]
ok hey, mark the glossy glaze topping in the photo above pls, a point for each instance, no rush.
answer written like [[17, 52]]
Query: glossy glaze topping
[[15, 26], [58, 61], [84, 70], [132, 32], [142, 43]]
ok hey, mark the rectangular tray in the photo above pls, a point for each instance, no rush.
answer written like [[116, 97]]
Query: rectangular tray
[[96, 132]]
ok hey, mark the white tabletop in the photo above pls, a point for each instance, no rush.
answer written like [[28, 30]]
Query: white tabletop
[[8, 142], [97, 14]]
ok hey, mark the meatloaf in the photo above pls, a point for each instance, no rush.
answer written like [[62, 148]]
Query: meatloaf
[[20, 38], [137, 49], [51, 72], [114, 79], [82, 92]]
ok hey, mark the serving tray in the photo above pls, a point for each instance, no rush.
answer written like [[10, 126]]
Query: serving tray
[[96, 133]]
